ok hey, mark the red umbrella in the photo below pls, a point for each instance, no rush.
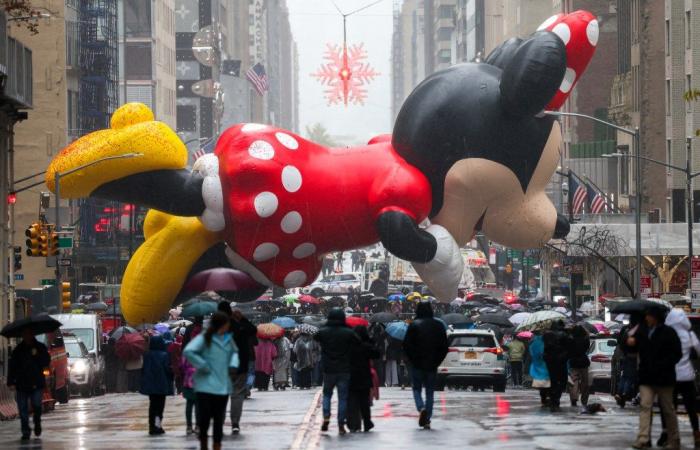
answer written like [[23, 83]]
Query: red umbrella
[[130, 346], [355, 321], [305, 298], [220, 280], [270, 331]]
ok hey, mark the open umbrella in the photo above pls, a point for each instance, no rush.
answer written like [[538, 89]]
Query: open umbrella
[[316, 321], [309, 299], [199, 309], [306, 328], [444, 324], [383, 317], [118, 332], [355, 321], [414, 297], [97, 307], [130, 346], [518, 318], [525, 335], [161, 328], [285, 322], [561, 309], [458, 302], [498, 331], [229, 283], [397, 330], [397, 298], [588, 327], [40, 324], [495, 319], [270, 331], [289, 298], [456, 319], [632, 306], [540, 320]]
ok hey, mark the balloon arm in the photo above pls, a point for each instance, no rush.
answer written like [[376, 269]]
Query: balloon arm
[[403, 238], [177, 192]]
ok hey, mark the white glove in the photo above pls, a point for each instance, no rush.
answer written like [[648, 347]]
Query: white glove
[[444, 272]]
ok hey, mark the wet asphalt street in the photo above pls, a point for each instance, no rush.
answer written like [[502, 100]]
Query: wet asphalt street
[[291, 420]]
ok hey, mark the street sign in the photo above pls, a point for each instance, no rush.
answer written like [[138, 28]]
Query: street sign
[[64, 262], [695, 283], [48, 282], [19, 277], [65, 242], [645, 286]]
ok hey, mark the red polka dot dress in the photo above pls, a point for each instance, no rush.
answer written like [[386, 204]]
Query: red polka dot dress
[[289, 201], [579, 32]]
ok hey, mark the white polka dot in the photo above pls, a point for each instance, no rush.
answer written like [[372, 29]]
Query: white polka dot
[[291, 222], [548, 22], [294, 278], [261, 150], [563, 31], [287, 140], [247, 128], [291, 178], [568, 81], [592, 32], [265, 204], [304, 250], [265, 251]]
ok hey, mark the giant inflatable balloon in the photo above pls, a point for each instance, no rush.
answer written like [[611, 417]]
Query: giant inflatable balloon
[[471, 150]]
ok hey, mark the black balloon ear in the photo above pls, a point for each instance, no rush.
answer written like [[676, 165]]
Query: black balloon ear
[[503, 54], [534, 73]]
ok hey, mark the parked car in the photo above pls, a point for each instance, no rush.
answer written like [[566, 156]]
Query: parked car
[[475, 358], [600, 353], [82, 367], [334, 284], [88, 328]]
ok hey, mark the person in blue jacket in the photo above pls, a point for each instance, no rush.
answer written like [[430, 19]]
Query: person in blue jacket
[[215, 356], [156, 382], [538, 368]]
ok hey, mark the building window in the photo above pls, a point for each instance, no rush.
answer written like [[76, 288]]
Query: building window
[[668, 97], [668, 37], [445, 11], [688, 30], [444, 34], [187, 117], [138, 57], [137, 18]]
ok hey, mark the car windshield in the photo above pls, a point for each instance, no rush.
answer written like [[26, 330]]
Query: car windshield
[[85, 335], [475, 340], [603, 347], [74, 350]]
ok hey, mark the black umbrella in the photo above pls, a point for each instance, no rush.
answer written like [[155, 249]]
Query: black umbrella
[[495, 328], [98, 306], [40, 324], [455, 319], [383, 317], [495, 319], [633, 306], [588, 327]]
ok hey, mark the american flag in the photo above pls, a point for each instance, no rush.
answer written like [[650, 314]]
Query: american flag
[[258, 77], [577, 195], [598, 203], [207, 147]]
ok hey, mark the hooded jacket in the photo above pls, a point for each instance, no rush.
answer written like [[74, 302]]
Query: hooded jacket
[[658, 355], [336, 340], [27, 364], [244, 333], [156, 373], [213, 363], [677, 320], [426, 340]]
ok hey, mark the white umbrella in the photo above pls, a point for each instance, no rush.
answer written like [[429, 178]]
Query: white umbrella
[[518, 318], [561, 309], [540, 320], [587, 307]]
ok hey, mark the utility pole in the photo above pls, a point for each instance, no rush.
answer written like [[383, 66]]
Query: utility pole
[[689, 200]]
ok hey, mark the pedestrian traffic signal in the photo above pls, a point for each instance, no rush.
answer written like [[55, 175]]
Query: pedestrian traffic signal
[[18, 258], [33, 232], [65, 295], [53, 243]]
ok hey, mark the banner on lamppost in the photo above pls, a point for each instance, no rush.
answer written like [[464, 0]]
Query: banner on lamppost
[[695, 283], [645, 286]]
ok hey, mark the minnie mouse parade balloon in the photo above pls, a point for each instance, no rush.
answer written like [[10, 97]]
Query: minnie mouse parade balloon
[[471, 150]]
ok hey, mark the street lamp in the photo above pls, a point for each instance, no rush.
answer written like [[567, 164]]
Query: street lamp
[[689, 175], [638, 185], [57, 194]]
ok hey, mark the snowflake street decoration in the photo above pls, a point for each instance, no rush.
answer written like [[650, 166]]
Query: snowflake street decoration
[[345, 74]]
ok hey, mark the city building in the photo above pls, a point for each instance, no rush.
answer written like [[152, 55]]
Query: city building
[[407, 51], [470, 30], [443, 16]]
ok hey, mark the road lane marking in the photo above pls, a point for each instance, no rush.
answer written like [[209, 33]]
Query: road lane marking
[[307, 424]]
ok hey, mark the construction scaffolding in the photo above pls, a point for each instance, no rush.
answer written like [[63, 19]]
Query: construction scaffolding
[[99, 71]]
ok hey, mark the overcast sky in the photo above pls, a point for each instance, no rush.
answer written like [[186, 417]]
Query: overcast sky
[[316, 23]]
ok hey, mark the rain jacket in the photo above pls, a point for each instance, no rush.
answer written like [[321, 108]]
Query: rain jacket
[[425, 343], [156, 373], [677, 320], [538, 368], [244, 333], [516, 350], [305, 349], [213, 362], [581, 342], [360, 372], [336, 340], [265, 352], [27, 364], [658, 355]]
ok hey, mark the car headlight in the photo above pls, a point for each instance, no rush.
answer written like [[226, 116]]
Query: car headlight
[[79, 366]]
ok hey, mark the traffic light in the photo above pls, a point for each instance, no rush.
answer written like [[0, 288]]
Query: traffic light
[[53, 243], [33, 232], [65, 295], [18, 258], [43, 243]]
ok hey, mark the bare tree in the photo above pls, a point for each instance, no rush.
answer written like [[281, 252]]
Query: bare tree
[[22, 13], [666, 268]]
